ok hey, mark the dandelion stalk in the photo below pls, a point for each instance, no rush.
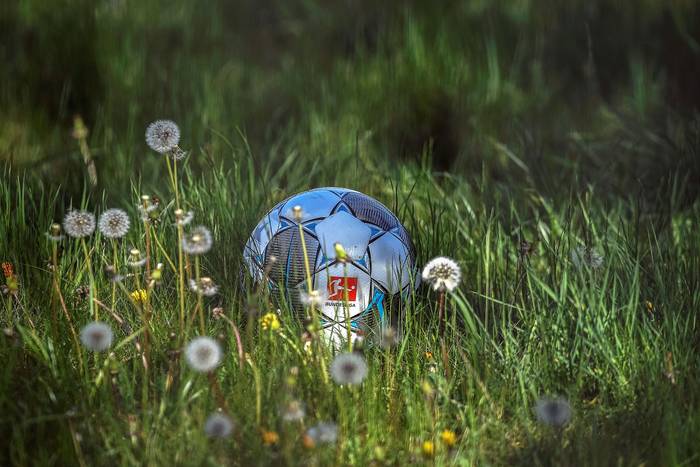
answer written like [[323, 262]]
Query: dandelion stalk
[[258, 390], [346, 307], [91, 278], [114, 282], [172, 171], [200, 307]]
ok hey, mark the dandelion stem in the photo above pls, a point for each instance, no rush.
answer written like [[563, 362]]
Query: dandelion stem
[[54, 263], [91, 278], [114, 264], [441, 313], [200, 308], [316, 325], [258, 389], [346, 307], [181, 281]]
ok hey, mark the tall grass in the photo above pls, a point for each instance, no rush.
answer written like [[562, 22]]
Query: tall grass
[[619, 340]]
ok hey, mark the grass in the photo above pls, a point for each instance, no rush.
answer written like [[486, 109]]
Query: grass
[[525, 326], [480, 131]]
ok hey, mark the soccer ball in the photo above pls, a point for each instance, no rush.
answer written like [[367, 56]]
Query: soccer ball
[[376, 279]]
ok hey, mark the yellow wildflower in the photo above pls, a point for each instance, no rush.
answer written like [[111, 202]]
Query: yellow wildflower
[[649, 306], [139, 296], [448, 437], [270, 322], [270, 437], [428, 448]]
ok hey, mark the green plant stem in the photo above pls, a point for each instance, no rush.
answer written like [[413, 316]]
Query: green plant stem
[[200, 306], [91, 278]]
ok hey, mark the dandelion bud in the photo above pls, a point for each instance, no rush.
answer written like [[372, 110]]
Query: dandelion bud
[[80, 131], [340, 253], [157, 273], [55, 229], [146, 200]]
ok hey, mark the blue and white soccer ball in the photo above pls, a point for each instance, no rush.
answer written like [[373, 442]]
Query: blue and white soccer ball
[[380, 267]]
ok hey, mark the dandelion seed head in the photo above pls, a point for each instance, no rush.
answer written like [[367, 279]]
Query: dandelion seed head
[[177, 154], [162, 136], [553, 412], [389, 337], [293, 411], [218, 425], [203, 354], [204, 286], [314, 298], [348, 368], [112, 274], [79, 224], [114, 223], [198, 241], [96, 336], [183, 218], [583, 256], [442, 273], [323, 433]]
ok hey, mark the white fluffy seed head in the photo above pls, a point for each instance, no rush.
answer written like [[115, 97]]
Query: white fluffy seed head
[[97, 336], [114, 223], [553, 412], [348, 368], [198, 241], [442, 273], [218, 425], [203, 354], [583, 256], [323, 433], [315, 298], [204, 286], [79, 224], [293, 411], [163, 136]]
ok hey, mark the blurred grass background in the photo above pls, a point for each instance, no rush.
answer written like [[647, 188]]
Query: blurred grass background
[[602, 92]]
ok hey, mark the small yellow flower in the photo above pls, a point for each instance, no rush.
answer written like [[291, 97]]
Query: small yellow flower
[[428, 448], [428, 355], [649, 306], [139, 296], [270, 322], [448, 437], [270, 437]]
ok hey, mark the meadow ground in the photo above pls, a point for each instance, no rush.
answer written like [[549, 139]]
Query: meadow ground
[[552, 151]]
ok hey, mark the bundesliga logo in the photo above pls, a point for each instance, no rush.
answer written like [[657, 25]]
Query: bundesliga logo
[[338, 285]]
